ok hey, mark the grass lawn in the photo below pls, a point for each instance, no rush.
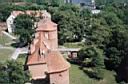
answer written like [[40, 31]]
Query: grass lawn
[[5, 54], [22, 58], [4, 39], [77, 76], [74, 45]]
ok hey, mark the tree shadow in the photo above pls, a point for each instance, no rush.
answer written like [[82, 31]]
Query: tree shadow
[[92, 74], [121, 75], [18, 45], [41, 81]]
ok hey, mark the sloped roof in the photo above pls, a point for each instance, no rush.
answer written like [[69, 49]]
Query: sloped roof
[[56, 62], [35, 57], [46, 25]]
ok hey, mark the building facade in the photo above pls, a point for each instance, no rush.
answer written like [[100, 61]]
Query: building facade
[[86, 3]]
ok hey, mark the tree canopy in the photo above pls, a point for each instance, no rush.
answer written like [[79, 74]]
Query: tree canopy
[[24, 27], [13, 72]]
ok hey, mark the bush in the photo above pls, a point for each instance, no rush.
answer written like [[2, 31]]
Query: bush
[[96, 73]]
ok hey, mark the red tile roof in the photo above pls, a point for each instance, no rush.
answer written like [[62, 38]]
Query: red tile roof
[[46, 25], [34, 57], [56, 62]]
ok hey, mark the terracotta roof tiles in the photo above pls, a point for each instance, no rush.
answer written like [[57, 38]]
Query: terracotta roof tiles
[[46, 25], [56, 62]]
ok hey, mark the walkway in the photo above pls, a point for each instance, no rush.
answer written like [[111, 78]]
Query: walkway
[[9, 35], [69, 49], [19, 51], [15, 54], [3, 47]]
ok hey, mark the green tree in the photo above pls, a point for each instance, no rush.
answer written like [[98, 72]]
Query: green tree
[[94, 57], [98, 32], [71, 22], [13, 72], [4, 78], [115, 49], [5, 11], [24, 27]]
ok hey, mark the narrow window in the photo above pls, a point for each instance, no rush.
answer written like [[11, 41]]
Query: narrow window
[[46, 35]]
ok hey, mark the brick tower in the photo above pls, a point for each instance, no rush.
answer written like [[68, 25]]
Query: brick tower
[[44, 59]]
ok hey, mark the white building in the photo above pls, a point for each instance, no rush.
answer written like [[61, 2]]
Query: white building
[[86, 3], [95, 11], [10, 20]]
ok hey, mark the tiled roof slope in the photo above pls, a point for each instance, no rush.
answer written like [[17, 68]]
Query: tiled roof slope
[[46, 25], [56, 62]]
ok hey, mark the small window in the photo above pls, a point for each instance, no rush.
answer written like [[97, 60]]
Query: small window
[[46, 35], [60, 74]]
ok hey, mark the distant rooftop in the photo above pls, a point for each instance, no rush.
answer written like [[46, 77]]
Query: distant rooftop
[[89, 3], [95, 11]]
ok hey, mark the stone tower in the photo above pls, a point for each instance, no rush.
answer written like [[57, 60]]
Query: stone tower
[[44, 59]]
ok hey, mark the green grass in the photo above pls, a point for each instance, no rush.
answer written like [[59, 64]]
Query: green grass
[[4, 39], [5, 54], [74, 45], [77, 76], [22, 58]]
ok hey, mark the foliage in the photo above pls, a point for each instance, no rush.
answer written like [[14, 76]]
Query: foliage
[[72, 25], [13, 72], [77, 76], [96, 55], [5, 11], [24, 27], [97, 61], [99, 33], [115, 50], [7, 8], [105, 2]]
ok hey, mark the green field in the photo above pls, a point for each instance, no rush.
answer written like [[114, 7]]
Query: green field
[[5, 54], [74, 45], [77, 76], [4, 40]]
